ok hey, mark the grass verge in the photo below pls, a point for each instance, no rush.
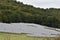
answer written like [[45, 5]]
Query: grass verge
[[12, 36]]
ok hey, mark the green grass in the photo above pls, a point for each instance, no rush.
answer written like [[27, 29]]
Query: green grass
[[11, 36]]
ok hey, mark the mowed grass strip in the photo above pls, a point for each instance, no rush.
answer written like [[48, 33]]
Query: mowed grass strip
[[11, 36]]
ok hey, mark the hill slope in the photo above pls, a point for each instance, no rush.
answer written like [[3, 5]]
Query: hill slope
[[13, 11]]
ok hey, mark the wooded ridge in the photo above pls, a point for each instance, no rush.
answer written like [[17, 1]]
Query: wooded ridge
[[12, 11]]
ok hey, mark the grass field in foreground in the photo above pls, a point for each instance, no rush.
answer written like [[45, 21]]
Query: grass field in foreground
[[8, 36]]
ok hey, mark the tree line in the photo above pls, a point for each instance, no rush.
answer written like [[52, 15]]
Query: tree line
[[12, 11]]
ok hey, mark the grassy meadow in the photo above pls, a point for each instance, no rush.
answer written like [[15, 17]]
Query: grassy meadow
[[11, 36]]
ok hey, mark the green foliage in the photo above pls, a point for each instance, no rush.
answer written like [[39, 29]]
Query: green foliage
[[13, 11]]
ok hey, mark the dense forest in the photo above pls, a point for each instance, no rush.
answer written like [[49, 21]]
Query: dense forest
[[12, 11]]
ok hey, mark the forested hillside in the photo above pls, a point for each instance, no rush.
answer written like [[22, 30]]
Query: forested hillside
[[12, 11]]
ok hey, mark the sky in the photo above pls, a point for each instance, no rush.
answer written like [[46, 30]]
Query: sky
[[42, 3]]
